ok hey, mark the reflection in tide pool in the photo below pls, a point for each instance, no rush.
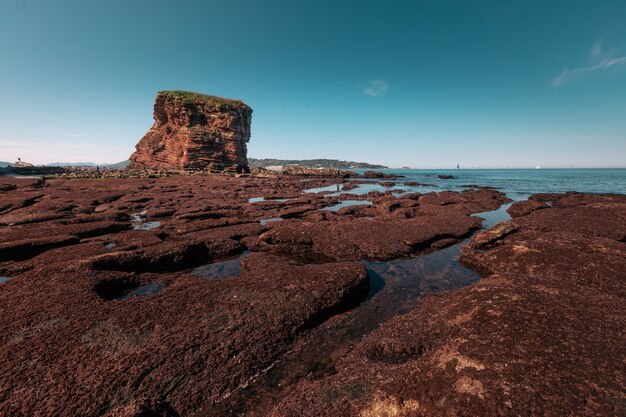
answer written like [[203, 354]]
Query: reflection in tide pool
[[5, 279], [348, 203], [404, 279], [147, 226], [494, 217], [138, 217], [273, 219], [144, 290], [139, 223], [222, 269], [328, 188]]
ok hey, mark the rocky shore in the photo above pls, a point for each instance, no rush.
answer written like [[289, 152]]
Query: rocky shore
[[181, 295]]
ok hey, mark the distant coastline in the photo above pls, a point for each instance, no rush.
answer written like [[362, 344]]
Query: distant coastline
[[312, 163]]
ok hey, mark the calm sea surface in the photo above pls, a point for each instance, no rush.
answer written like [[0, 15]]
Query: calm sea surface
[[518, 184]]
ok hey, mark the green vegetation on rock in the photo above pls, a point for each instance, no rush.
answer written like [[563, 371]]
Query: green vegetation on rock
[[190, 97]]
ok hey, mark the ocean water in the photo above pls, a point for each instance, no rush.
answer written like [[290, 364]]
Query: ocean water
[[518, 184]]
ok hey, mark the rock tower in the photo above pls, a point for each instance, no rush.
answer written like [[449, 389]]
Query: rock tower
[[195, 131]]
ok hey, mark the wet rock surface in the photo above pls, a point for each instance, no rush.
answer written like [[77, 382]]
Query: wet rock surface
[[540, 335], [101, 318]]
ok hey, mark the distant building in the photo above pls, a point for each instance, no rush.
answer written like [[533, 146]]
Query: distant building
[[22, 164], [276, 168]]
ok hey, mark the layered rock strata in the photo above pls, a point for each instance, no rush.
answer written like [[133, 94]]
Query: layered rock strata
[[194, 131]]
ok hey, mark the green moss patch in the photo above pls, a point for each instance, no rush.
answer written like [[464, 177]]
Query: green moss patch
[[190, 97]]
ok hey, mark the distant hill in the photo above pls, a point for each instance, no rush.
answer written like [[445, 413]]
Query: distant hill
[[313, 163], [4, 164], [71, 164], [118, 165]]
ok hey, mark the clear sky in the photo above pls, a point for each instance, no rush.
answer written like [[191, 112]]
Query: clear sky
[[425, 84]]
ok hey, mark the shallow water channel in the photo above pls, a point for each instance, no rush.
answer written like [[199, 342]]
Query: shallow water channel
[[395, 288]]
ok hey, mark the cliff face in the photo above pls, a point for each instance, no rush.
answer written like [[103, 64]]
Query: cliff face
[[195, 132]]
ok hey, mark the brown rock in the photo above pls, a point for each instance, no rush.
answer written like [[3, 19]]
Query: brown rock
[[404, 228], [195, 132], [522, 208], [195, 340], [378, 174]]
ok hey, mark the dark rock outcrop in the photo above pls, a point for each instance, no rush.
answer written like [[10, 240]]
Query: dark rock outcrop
[[195, 132]]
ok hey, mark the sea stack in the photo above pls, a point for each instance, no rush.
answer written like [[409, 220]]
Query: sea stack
[[195, 131]]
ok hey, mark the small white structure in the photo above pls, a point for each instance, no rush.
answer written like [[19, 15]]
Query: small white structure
[[22, 164]]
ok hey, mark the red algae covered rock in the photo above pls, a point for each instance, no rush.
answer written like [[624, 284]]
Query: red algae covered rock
[[401, 227], [106, 318], [194, 131], [540, 335], [522, 208], [193, 340], [115, 301]]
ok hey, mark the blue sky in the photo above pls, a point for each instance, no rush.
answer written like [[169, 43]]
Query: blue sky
[[425, 84]]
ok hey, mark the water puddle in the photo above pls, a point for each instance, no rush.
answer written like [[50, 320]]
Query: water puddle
[[260, 199], [400, 188], [110, 245], [494, 217], [223, 269], [419, 275], [139, 222], [147, 226], [138, 217], [5, 279], [348, 203], [329, 188], [273, 219], [144, 290]]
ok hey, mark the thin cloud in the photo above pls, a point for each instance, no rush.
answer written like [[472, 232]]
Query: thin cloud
[[375, 88], [599, 61]]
